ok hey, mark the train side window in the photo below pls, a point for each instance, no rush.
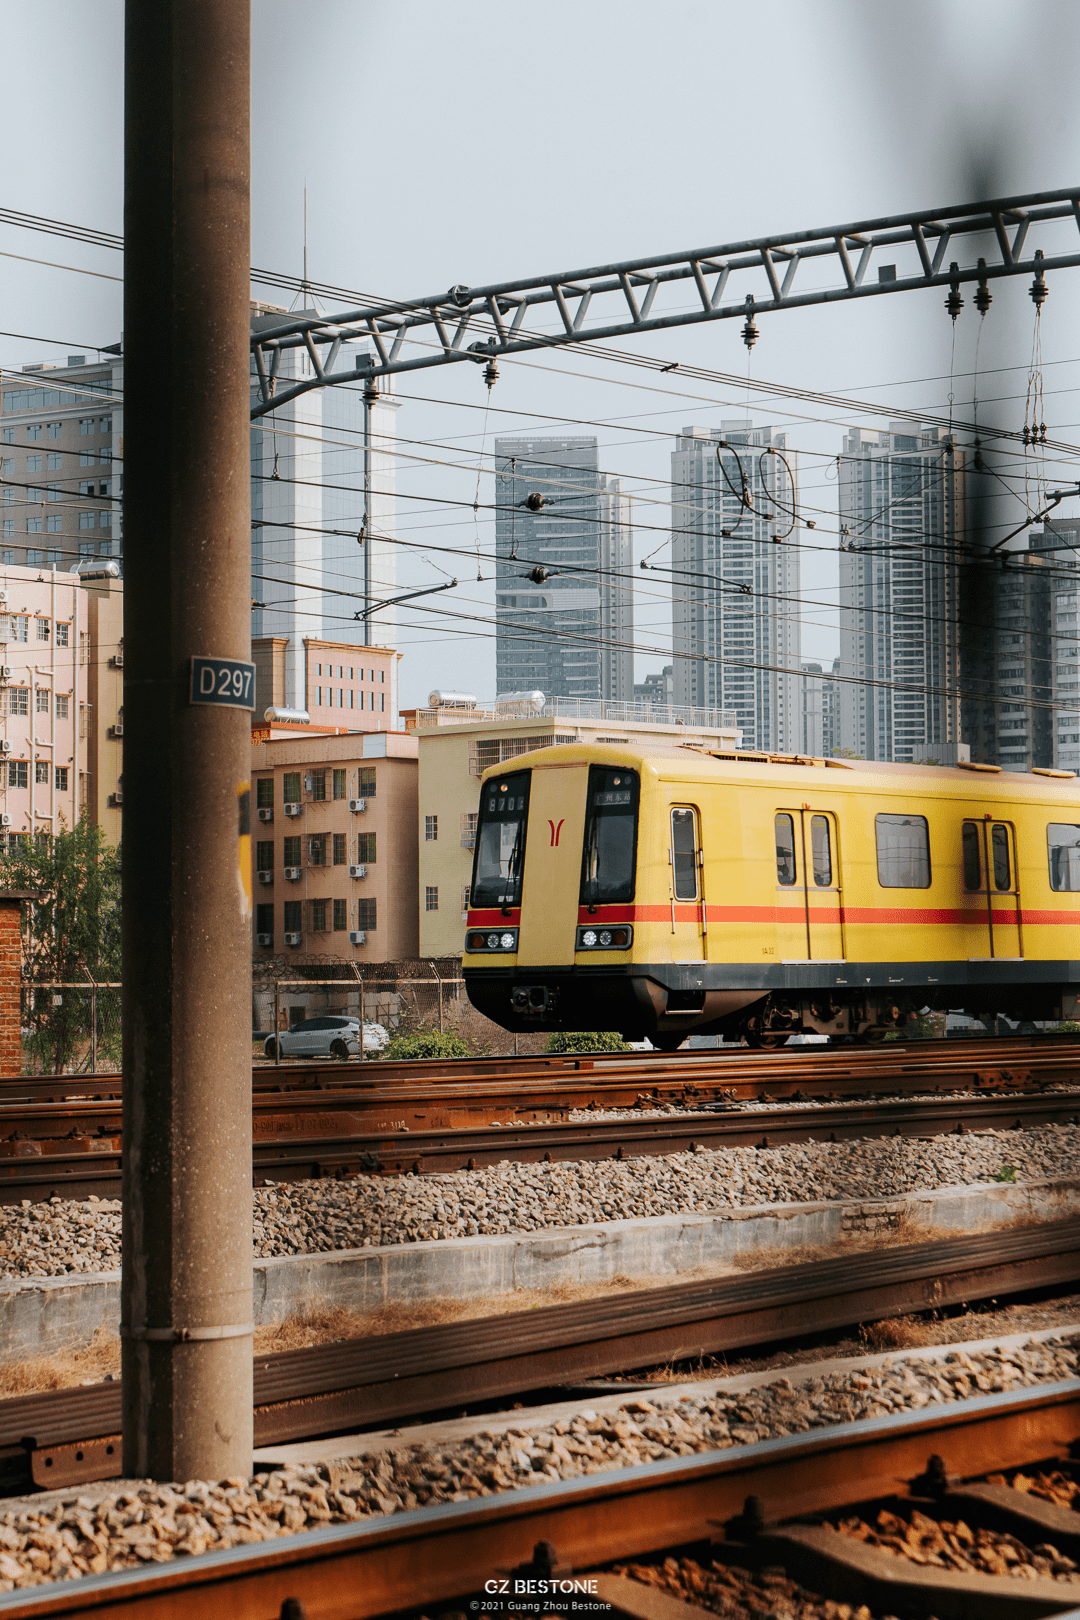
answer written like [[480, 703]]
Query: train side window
[[999, 854], [903, 852], [684, 853], [785, 850], [821, 851], [1063, 847], [971, 856]]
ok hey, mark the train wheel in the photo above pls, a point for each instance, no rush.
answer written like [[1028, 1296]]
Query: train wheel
[[766, 1040]]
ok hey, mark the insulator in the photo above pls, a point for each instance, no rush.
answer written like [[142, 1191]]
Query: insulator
[[983, 298], [534, 501], [1038, 289], [1042, 432], [977, 460], [539, 574], [811, 523], [371, 394], [491, 373], [1027, 434], [954, 303], [749, 332]]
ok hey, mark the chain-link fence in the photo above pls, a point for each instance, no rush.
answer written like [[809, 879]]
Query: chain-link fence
[[400, 1004], [70, 1028]]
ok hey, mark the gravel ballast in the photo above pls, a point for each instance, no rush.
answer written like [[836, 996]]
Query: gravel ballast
[[76, 1535], [62, 1237]]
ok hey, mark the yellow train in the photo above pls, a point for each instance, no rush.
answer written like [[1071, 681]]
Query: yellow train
[[683, 890]]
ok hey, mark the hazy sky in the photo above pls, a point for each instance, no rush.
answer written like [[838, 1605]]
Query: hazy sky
[[487, 141]]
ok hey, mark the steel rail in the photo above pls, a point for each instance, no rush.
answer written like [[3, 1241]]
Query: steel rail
[[345, 1386], [407, 1561], [288, 1148]]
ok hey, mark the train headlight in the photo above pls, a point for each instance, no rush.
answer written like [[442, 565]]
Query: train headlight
[[605, 936], [476, 940], [605, 939], [493, 942], [588, 938], [507, 942]]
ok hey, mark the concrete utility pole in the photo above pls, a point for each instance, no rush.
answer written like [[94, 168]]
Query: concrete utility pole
[[187, 1352]]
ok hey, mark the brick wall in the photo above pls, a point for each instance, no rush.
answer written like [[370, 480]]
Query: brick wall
[[10, 983]]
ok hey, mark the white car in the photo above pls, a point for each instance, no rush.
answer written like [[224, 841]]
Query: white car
[[329, 1035]]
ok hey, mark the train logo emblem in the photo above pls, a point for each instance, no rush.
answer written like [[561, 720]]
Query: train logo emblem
[[555, 831]]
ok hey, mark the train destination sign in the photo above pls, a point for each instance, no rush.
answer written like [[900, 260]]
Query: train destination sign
[[223, 680]]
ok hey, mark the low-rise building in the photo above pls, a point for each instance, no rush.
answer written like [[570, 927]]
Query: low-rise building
[[344, 686], [333, 842], [456, 746]]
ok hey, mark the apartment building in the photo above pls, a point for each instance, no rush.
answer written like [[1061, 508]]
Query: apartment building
[[334, 845], [735, 589], [61, 473], [455, 748], [902, 515], [341, 685]]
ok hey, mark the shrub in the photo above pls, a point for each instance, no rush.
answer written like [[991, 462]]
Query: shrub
[[595, 1040], [426, 1043]]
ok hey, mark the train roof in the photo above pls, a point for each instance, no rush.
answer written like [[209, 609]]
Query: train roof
[[700, 761]]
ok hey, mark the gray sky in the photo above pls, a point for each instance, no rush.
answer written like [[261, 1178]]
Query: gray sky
[[487, 141]]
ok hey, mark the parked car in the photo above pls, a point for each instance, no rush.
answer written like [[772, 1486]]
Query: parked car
[[330, 1035]]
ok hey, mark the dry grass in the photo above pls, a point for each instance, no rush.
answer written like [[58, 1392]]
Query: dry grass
[[897, 1333], [64, 1369]]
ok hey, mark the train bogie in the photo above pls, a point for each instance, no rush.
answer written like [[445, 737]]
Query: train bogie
[[681, 891]]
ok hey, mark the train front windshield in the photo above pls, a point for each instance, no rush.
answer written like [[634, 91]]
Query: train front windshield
[[500, 842], [607, 871]]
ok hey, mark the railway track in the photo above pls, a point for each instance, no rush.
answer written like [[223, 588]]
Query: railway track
[[296, 1140], [70, 1436], [414, 1560]]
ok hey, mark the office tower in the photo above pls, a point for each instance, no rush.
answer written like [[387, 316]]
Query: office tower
[[323, 474], [1054, 632], [61, 429], [811, 736], [563, 538], [735, 581], [901, 516]]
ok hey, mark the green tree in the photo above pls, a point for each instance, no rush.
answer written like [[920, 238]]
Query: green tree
[[71, 933]]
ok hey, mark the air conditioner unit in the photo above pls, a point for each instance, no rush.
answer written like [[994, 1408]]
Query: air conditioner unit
[[358, 871], [293, 939], [3, 598], [357, 936], [293, 809], [292, 874], [5, 819], [117, 730], [266, 877], [117, 798], [266, 815], [5, 746], [117, 661], [357, 806], [5, 672], [265, 939]]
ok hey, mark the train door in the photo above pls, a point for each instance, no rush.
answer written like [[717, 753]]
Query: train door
[[824, 929], [552, 877], [686, 878], [989, 863], [808, 923]]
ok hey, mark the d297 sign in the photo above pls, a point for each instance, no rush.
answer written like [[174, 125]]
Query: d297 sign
[[223, 680]]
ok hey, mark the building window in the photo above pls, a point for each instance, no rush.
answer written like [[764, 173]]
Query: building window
[[264, 855], [382, 674], [468, 829], [34, 525], [9, 435], [9, 528], [464, 902], [54, 430], [290, 851], [318, 786], [33, 464], [318, 916], [382, 702], [86, 548], [431, 897], [54, 524], [18, 700], [18, 773], [341, 915], [367, 781], [86, 425], [317, 849], [339, 785], [293, 917], [431, 829], [54, 461], [41, 771], [33, 432], [61, 779], [86, 458], [86, 520], [61, 708], [290, 788], [365, 914], [365, 848], [53, 492], [340, 851], [104, 520], [264, 919], [352, 698], [41, 703], [318, 697], [20, 629], [105, 548], [104, 424], [264, 791], [44, 629]]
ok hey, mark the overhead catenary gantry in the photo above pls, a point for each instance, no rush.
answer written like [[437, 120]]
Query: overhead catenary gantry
[[939, 247]]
